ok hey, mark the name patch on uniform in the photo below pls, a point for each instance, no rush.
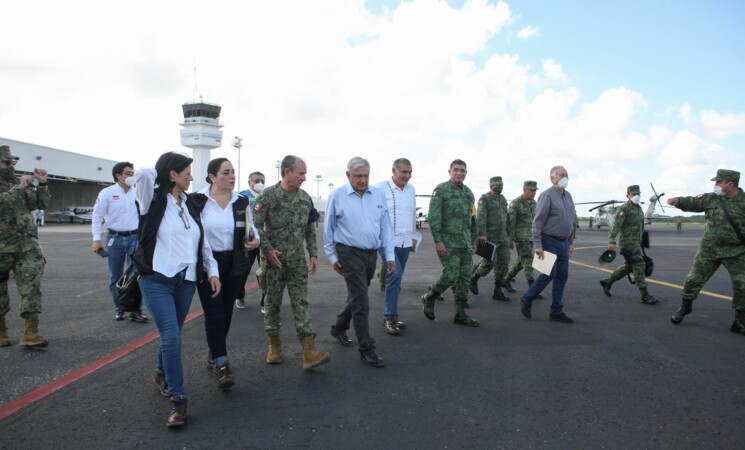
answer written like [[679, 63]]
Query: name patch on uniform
[[116, 197]]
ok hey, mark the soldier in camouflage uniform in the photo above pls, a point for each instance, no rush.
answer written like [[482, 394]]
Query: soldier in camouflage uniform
[[491, 223], [281, 214], [519, 229], [452, 220], [629, 222], [19, 245], [723, 243]]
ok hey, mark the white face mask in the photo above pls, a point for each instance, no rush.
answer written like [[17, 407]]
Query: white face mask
[[258, 187], [563, 183], [718, 190], [635, 199], [130, 181]]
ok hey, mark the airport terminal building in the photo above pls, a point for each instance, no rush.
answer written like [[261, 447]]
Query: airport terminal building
[[74, 179]]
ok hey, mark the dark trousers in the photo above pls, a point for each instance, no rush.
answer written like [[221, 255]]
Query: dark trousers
[[218, 311], [253, 255], [358, 268]]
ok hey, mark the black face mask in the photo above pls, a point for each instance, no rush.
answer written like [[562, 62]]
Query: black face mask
[[497, 190], [8, 173]]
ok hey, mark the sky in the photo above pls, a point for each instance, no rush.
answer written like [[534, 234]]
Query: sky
[[619, 93]]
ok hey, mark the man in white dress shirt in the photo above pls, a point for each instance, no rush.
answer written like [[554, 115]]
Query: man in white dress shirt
[[401, 198], [116, 207]]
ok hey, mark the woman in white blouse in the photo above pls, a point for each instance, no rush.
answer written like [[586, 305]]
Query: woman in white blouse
[[172, 258], [228, 226]]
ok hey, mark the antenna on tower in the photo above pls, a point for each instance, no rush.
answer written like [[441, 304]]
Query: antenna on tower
[[194, 96]]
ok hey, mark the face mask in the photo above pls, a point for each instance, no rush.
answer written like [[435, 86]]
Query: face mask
[[635, 199], [563, 183], [8, 173], [718, 190], [130, 181], [497, 190], [258, 187]]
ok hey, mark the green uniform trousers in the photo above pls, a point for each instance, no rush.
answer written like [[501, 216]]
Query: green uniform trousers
[[295, 277], [456, 272], [28, 268], [703, 269], [524, 262]]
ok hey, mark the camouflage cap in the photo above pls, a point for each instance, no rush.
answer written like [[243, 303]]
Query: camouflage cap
[[5, 154], [633, 189], [530, 185], [495, 180], [607, 257], [726, 174]]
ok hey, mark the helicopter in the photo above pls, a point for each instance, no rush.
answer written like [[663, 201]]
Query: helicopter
[[606, 211]]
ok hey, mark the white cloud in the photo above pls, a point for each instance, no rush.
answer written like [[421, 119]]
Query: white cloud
[[529, 32]]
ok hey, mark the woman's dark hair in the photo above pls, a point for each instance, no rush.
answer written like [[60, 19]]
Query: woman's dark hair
[[213, 167], [166, 163]]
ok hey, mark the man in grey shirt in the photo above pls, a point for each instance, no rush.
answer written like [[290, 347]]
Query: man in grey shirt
[[552, 231]]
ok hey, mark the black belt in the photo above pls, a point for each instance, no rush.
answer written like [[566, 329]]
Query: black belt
[[555, 237], [374, 250], [123, 233]]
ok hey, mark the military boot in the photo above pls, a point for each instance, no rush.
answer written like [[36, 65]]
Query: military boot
[[530, 283], [274, 354], [499, 295], [606, 283], [4, 338], [461, 318], [507, 285], [686, 307], [428, 303], [177, 417], [647, 297], [474, 281], [738, 326], [31, 337], [311, 357]]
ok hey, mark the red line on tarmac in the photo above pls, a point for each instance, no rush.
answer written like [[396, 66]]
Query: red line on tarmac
[[60, 383]]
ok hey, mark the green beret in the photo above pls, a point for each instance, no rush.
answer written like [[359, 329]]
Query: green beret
[[5, 154], [633, 189], [495, 180], [726, 174], [530, 185]]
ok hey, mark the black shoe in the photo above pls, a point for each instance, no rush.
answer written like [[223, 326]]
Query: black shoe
[[686, 307], [499, 295], [563, 318], [372, 359], [474, 285], [138, 317], [508, 286], [606, 287], [441, 298], [525, 309], [119, 316], [428, 306], [341, 336], [461, 318], [401, 325]]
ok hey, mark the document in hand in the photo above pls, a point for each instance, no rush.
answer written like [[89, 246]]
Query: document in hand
[[486, 251], [546, 264], [416, 241]]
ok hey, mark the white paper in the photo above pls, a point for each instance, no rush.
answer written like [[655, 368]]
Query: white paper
[[416, 237], [546, 264]]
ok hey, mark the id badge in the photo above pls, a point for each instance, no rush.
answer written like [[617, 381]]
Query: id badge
[[111, 242]]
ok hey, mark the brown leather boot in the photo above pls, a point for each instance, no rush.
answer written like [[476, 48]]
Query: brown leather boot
[[311, 357], [31, 337], [274, 355], [4, 338], [177, 417]]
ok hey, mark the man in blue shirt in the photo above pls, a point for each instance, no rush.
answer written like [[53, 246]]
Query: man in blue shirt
[[357, 225]]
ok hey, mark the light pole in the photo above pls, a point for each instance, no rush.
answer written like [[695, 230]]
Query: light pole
[[238, 143], [277, 165], [318, 187], [331, 188]]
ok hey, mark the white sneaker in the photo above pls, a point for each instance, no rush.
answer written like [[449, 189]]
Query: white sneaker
[[240, 304]]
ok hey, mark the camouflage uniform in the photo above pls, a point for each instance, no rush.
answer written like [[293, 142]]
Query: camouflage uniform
[[452, 220], [519, 228], [491, 221], [19, 245], [629, 222], [282, 218]]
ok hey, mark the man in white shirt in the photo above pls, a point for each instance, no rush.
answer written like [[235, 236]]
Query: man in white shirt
[[401, 198], [116, 207]]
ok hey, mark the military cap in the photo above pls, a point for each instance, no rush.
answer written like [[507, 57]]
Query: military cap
[[607, 257], [726, 174], [633, 189], [530, 185], [495, 180], [5, 154]]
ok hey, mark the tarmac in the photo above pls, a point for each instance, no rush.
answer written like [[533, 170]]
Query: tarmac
[[621, 376]]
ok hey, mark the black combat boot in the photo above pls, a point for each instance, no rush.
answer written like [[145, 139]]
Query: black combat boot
[[428, 303], [474, 281], [461, 318], [738, 326], [507, 285], [686, 307], [607, 283], [647, 297], [499, 295]]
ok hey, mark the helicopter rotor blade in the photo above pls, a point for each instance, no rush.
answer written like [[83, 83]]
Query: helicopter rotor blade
[[658, 196]]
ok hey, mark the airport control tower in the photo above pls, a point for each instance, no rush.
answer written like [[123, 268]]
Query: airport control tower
[[201, 132]]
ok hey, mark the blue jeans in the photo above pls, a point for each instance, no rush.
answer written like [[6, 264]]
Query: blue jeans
[[559, 275], [121, 249], [169, 300], [393, 281]]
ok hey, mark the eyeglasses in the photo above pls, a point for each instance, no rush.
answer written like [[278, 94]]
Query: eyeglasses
[[184, 218]]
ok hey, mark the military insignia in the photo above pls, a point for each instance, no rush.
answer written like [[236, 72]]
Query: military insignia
[[473, 210], [257, 207], [435, 193], [482, 200], [513, 205]]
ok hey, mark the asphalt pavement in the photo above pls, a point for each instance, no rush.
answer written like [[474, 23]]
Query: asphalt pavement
[[621, 376]]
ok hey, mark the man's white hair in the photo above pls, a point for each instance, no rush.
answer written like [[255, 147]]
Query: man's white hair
[[357, 162]]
